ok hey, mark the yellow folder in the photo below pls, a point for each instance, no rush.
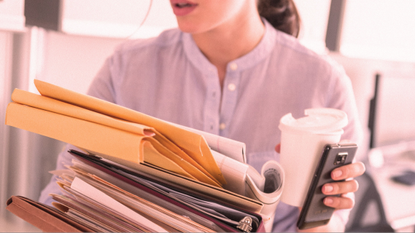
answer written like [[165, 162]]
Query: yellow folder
[[107, 129]]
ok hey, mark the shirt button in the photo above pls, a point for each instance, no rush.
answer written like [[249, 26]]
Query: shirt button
[[233, 66], [222, 126], [231, 87]]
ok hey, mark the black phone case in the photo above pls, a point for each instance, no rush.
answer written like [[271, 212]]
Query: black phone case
[[314, 213]]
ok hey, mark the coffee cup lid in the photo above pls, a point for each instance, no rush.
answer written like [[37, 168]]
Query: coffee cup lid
[[316, 120]]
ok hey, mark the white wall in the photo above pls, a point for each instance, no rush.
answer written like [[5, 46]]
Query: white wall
[[117, 19], [314, 17], [379, 29], [72, 61], [11, 15]]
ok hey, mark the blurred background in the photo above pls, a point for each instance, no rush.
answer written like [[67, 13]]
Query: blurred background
[[65, 42]]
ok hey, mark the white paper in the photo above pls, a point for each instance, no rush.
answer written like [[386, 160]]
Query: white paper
[[231, 148], [245, 180], [266, 187], [94, 193], [143, 194], [233, 171]]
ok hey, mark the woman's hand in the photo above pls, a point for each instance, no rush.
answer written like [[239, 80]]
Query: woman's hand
[[346, 172], [344, 201]]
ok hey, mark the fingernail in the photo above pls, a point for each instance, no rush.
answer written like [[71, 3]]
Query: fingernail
[[337, 173], [328, 188], [328, 201]]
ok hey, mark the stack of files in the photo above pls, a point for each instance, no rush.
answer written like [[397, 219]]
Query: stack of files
[[100, 195], [130, 172]]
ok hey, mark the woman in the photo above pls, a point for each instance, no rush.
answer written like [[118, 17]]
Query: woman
[[228, 71]]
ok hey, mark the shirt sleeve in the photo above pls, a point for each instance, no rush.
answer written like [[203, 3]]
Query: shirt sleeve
[[102, 85], [342, 97]]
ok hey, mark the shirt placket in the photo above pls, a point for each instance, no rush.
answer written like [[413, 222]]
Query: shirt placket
[[212, 102], [229, 98]]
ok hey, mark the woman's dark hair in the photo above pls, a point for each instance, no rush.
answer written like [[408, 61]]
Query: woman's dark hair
[[282, 14]]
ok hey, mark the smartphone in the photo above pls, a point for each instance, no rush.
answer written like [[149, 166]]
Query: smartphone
[[314, 213]]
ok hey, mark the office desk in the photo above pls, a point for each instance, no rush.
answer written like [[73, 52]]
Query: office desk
[[398, 199]]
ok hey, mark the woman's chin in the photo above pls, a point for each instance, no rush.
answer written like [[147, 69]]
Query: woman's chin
[[188, 28]]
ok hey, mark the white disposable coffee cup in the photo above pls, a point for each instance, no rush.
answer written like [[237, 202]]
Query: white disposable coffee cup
[[302, 144]]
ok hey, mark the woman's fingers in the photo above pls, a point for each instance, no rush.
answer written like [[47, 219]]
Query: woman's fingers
[[278, 148], [348, 171], [340, 187], [339, 202]]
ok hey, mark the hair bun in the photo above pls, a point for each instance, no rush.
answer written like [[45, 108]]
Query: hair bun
[[282, 14]]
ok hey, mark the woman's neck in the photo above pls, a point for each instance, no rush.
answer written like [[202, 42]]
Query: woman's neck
[[230, 41]]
